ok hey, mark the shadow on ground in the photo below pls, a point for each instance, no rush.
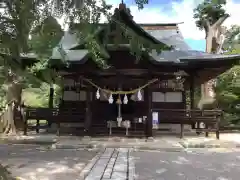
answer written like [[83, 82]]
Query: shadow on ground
[[187, 165], [40, 163]]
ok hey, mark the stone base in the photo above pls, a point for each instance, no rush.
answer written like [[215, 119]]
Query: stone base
[[173, 127]]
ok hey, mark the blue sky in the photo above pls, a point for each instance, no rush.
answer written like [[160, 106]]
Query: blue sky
[[167, 11]]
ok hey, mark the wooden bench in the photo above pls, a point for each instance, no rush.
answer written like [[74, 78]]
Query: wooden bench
[[211, 119], [173, 116], [53, 116], [35, 114]]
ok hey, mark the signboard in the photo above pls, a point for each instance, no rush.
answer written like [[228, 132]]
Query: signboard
[[155, 118]]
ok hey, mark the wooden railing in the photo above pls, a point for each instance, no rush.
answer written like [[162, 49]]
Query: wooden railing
[[52, 115], [210, 119]]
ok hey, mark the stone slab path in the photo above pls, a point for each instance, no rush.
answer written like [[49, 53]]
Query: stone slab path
[[113, 163]]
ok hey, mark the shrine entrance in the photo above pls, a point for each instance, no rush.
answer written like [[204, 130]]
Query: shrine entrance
[[120, 109]]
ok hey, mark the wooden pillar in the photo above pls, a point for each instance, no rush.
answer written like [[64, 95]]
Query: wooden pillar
[[88, 116], [50, 101], [24, 114], [192, 102], [149, 124], [37, 126], [218, 126], [51, 96], [192, 88], [184, 108]]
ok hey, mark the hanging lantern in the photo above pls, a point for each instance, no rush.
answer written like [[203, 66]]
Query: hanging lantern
[[98, 94], [125, 99], [139, 95], [110, 100]]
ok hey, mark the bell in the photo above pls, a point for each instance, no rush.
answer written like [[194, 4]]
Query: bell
[[119, 101]]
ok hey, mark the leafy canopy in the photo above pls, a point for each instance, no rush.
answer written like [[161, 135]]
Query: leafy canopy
[[228, 83], [210, 11], [232, 41]]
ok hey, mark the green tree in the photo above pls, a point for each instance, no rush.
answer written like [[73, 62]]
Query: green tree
[[209, 17], [228, 83], [232, 40], [228, 94], [18, 19]]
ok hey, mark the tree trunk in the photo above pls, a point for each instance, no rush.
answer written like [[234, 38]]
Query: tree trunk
[[209, 40], [13, 96], [206, 98]]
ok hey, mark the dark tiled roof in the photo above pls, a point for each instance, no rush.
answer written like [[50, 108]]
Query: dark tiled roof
[[179, 56], [170, 38], [168, 34]]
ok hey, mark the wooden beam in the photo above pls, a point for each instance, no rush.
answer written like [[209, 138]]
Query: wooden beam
[[50, 101], [192, 79], [88, 116]]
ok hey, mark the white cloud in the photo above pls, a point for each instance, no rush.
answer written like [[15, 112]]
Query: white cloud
[[182, 12]]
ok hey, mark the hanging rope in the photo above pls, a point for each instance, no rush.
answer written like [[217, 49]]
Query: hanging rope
[[119, 92]]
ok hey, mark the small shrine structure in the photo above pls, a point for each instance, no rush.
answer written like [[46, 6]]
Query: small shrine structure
[[134, 93]]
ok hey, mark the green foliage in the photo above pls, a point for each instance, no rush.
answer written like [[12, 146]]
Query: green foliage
[[20, 20], [209, 10], [16, 21], [228, 84], [232, 42], [5, 174], [45, 37], [141, 3], [39, 97], [88, 16], [228, 93]]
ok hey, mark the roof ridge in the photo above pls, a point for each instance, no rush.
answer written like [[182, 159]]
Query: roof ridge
[[159, 24]]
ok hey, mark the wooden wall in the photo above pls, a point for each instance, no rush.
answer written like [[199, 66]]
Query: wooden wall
[[101, 110]]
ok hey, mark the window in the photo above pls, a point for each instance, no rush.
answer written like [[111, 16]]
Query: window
[[70, 96], [68, 82], [82, 95], [167, 97], [76, 96], [158, 97], [173, 96]]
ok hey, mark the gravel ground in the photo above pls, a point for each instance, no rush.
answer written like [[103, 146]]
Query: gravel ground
[[198, 165], [32, 162]]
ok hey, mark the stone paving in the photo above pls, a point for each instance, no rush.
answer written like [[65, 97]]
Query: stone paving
[[114, 164]]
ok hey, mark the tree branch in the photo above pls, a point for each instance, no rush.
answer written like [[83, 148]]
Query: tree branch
[[220, 21], [206, 25]]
